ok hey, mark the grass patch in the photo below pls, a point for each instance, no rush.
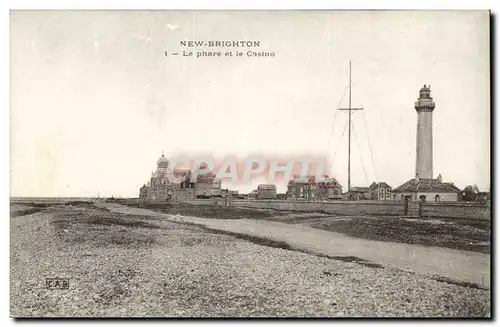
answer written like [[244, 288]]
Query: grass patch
[[456, 235], [459, 283], [25, 212], [357, 260], [211, 211], [39, 205], [103, 229], [252, 239], [110, 221], [77, 203]]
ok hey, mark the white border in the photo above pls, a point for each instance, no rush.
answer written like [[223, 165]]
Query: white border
[[185, 4]]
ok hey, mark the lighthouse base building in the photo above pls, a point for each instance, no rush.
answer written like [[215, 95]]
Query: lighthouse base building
[[426, 190]]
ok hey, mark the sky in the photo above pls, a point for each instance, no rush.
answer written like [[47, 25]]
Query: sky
[[95, 101]]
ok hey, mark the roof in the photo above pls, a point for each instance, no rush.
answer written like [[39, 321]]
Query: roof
[[311, 180], [426, 185], [454, 187], [360, 189], [354, 195], [266, 187], [297, 179], [380, 185], [162, 160], [425, 88], [181, 172], [206, 177]]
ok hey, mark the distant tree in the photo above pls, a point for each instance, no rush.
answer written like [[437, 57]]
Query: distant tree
[[470, 193]]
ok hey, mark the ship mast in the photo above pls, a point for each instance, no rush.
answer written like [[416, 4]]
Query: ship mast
[[350, 110]]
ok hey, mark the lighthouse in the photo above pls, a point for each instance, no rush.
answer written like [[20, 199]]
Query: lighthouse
[[424, 107], [423, 187]]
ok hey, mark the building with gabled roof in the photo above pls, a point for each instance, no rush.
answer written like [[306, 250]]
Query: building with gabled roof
[[380, 191], [357, 193], [308, 187], [266, 191], [427, 189]]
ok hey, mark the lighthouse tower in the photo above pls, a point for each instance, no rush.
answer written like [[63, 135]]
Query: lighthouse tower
[[424, 107], [423, 187]]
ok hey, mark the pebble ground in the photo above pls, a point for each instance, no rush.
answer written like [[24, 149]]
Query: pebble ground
[[126, 266]]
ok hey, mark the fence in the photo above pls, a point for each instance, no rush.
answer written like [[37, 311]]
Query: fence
[[389, 208], [456, 210]]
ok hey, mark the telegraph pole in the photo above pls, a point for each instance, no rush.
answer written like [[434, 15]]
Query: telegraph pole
[[350, 109]]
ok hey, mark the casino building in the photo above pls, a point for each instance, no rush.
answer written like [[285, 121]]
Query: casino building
[[177, 184]]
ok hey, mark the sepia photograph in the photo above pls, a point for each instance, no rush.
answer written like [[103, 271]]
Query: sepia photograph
[[250, 164]]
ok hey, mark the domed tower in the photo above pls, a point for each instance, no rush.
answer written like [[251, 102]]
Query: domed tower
[[424, 107], [162, 162], [162, 166]]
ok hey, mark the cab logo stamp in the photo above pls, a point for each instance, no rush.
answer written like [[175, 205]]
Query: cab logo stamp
[[57, 283]]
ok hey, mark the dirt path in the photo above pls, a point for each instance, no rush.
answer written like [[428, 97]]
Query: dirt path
[[458, 265]]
